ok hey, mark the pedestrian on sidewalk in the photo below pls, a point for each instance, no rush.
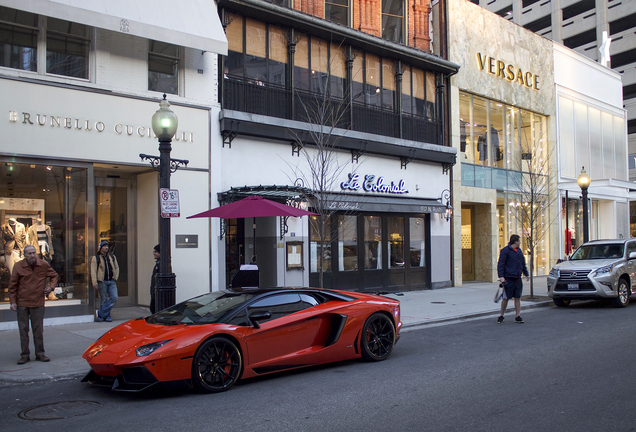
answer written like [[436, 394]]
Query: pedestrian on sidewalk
[[157, 255], [27, 289], [510, 267], [104, 275]]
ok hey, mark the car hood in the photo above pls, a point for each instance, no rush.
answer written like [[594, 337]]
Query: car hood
[[585, 264]]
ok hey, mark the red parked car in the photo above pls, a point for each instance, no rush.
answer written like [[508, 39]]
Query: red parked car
[[213, 340]]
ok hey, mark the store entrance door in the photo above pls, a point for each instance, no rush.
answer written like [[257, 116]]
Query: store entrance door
[[114, 215], [468, 258]]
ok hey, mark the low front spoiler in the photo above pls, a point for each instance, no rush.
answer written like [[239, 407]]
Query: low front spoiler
[[119, 383]]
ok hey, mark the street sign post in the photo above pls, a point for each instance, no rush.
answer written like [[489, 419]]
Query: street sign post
[[169, 199]]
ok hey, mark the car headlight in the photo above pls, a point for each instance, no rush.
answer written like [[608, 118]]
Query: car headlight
[[601, 271], [555, 272], [145, 350]]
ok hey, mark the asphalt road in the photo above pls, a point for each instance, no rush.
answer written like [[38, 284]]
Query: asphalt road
[[563, 370]]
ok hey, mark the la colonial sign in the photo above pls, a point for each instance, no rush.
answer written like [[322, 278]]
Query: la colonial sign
[[372, 184]]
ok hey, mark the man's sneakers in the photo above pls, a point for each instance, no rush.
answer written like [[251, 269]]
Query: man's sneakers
[[518, 320], [108, 319]]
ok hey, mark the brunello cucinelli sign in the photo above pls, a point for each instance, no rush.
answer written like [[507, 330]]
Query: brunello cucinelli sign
[[370, 184], [507, 71], [50, 121]]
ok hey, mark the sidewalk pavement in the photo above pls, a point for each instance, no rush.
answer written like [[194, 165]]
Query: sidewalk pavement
[[65, 344]]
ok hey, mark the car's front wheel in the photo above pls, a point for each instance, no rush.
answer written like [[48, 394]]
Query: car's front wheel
[[561, 302], [216, 365], [378, 337], [623, 294]]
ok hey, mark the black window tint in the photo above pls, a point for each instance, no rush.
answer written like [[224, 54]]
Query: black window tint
[[240, 319], [309, 300], [279, 305]]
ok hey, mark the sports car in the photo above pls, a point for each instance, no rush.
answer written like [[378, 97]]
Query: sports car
[[213, 340]]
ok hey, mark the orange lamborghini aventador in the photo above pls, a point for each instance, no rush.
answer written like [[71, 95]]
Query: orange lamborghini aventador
[[212, 341]]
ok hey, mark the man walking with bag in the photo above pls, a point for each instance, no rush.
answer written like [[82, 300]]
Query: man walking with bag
[[510, 267]]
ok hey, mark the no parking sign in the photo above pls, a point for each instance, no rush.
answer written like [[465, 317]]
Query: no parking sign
[[169, 199]]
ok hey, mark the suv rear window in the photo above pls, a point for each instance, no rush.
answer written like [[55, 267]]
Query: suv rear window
[[598, 251]]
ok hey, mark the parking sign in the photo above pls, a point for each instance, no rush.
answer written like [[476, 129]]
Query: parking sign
[[169, 199]]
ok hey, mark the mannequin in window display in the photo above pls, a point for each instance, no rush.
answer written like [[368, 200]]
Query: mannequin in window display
[[14, 240], [39, 236]]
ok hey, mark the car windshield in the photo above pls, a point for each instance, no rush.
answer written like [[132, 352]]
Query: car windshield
[[598, 251], [205, 309]]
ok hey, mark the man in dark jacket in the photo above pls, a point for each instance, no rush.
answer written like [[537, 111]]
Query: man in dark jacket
[[156, 252], [509, 269], [27, 289]]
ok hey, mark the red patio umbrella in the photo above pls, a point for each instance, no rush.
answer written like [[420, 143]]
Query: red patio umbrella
[[252, 206]]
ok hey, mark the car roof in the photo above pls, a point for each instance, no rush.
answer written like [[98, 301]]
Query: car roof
[[609, 241], [268, 290]]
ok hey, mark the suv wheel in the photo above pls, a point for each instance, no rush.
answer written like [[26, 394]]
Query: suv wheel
[[623, 294], [561, 302]]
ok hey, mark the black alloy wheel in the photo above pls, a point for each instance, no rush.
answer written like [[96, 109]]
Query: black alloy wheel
[[561, 302], [623, 294], [378, 337], [216, 366]]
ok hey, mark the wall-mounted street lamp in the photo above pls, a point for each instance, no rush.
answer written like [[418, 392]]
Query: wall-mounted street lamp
[[164, 125], [584, 181], [445, 198]]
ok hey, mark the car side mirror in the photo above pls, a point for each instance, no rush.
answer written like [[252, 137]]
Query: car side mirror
[[559, 261], [632, 255], [259, 316]]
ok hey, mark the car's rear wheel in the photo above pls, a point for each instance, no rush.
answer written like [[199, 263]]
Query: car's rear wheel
[[378, 337], [216, 366], [623, 294], [561, 302]]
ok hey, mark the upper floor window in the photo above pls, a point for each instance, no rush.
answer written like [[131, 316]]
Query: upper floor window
[[65, 43], [163, 67], [337, 11], [418, 92], [18, 39], [393, 20], [67, 47]]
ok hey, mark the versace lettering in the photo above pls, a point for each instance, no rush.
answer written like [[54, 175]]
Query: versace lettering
[[508, 72]]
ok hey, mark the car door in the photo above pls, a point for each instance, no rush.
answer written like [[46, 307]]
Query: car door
[[631, 264], [291, 331]]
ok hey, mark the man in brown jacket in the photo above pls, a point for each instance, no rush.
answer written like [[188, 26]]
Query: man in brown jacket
[[27, 289]]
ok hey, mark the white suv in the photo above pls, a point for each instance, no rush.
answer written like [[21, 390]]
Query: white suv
[[599, 269]]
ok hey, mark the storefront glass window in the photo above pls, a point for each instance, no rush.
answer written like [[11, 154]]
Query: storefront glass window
[[338, 71], [255, 54], [417, 242], [513, 148], [347, 243], [496, 132], [316, 248], [67, 48], [483, 151], [301, 63], [465, 128], [396, 242], [319, 65], [372, 80], [388, 83], [19, 43], [372, 242], [234, 59], [277, 62], [45, 206]]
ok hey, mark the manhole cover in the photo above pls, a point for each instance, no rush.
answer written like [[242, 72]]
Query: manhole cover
[[60, 410]]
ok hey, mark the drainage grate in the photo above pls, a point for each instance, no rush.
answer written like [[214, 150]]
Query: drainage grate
[[60, 410], [438, 302]]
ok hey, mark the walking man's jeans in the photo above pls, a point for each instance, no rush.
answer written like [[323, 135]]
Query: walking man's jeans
[[36, 316], [107, 297]]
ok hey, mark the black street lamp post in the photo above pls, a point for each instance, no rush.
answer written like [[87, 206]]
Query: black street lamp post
[[583, 181], [164, 125]]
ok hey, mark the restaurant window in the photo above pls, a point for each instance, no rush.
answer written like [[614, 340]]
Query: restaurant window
[[234, 60], [396, 242], [316, 248], [347, 243], [337, 11], [45, 206], [417, 242], [18, 39], [163, 67], [372, 242], [277, 61], [338, 71], [67, 45], [255, 52], [319, 66], [392, 20], [418, 92], [301, 63]]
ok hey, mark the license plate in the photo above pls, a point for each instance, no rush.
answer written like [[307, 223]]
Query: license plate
[[573, 287]]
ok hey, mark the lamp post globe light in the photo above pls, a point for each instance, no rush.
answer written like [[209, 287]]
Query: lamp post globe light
[[164, 125], [583, 180]]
